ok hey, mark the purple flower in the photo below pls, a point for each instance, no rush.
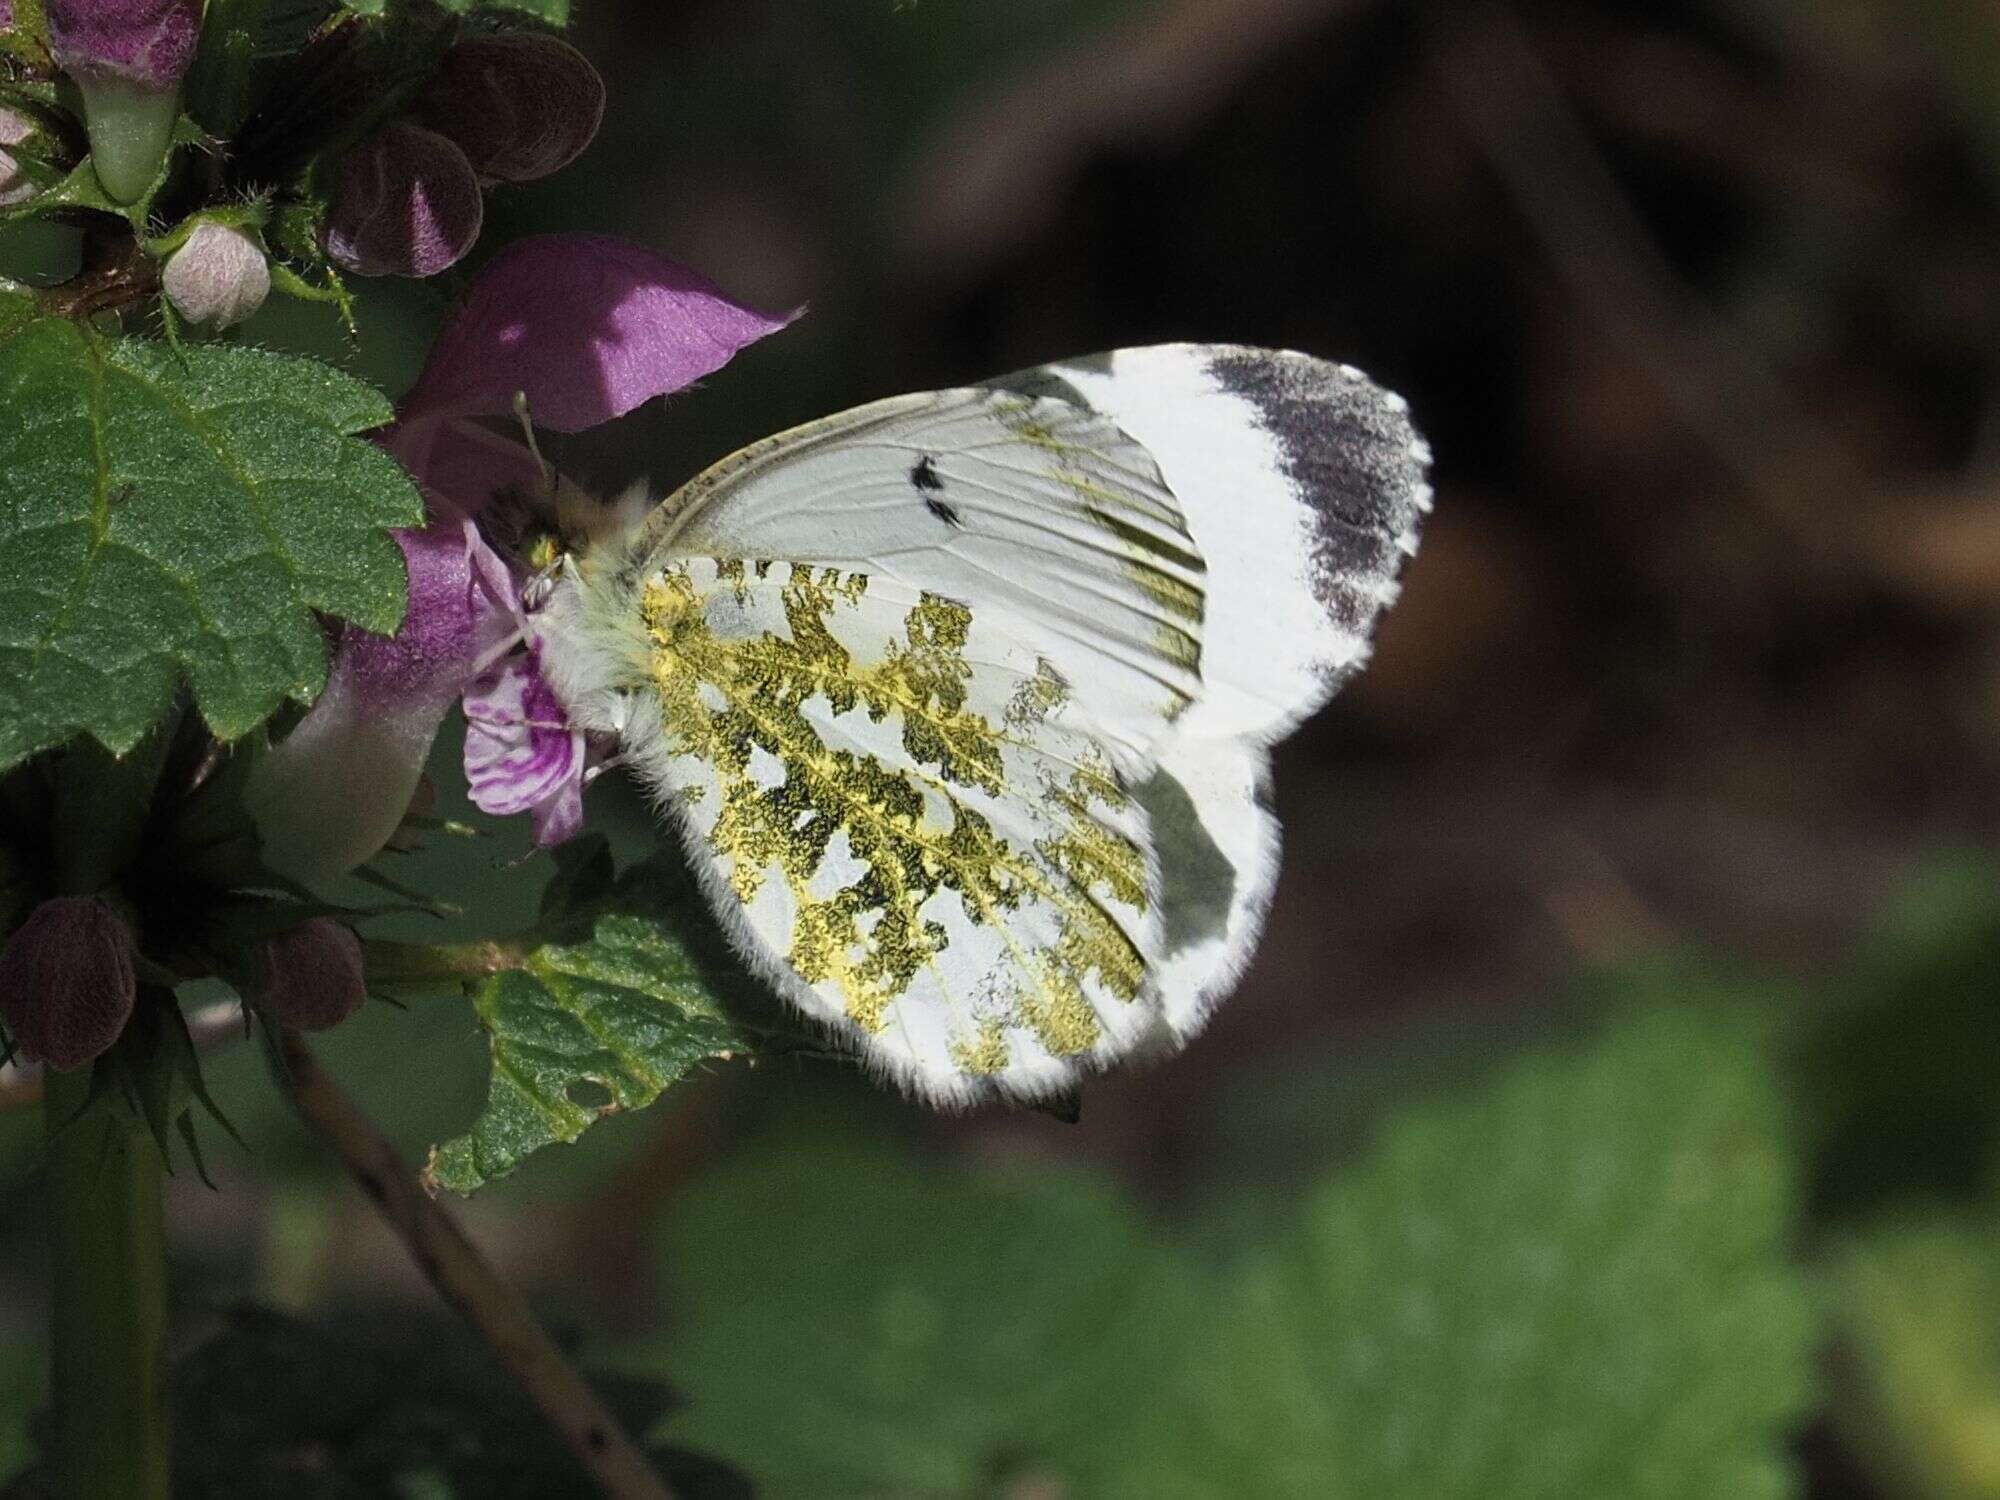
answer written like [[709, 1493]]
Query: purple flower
[[407, 204], [587, 328], [6, 15], [146, 41], [332, 793], [67, 985], [310, 977], [520, 753], [127, 59], [520, 106]]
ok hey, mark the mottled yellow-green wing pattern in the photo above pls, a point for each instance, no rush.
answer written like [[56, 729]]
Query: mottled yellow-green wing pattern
[[905, 811]]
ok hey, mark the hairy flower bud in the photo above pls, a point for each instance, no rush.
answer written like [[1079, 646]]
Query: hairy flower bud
[[127, 58], [407, 204], [66, 981], [310, 977], [16, 131], [520, 106], [218, 277]]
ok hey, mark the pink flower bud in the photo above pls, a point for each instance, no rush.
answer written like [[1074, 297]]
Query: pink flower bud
[[6, 15], [310, 977], [218, 276], [407, 204], [66, 981], [519, 106], [127, 58]]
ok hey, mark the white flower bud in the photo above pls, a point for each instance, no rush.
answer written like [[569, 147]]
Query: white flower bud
[[218, 277], [16, 130]]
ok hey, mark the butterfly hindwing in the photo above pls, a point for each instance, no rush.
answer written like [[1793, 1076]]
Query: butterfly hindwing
[[904, 816]]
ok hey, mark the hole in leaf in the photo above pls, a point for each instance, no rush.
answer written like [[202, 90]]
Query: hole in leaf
[[588, 1093]]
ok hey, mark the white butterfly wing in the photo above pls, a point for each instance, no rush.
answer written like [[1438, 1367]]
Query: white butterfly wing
[[1303, 484], [931, 689], [905, 816], [1041, 509]]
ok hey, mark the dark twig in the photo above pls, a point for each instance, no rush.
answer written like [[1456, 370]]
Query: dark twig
[[451, 1263]]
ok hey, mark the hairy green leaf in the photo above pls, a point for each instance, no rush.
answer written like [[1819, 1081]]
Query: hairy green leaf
[[1571, 1281], [169, 514], [852, 1324], [582, 1030]]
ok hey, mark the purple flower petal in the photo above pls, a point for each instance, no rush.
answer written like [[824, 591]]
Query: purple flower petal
[[147, 41], [407, 204], [520, 753], [460, 465], [520, 105], [589, 327], [330, 794]]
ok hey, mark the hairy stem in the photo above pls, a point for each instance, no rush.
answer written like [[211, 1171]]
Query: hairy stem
[[108, 1279], [452, 1265]]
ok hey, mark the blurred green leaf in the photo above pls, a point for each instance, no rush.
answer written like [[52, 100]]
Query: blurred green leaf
[[1570, 1281], [275, 1409], [1918, 1398], [581, 1030], [1899, 1077], [852, 1324], [170, 511]]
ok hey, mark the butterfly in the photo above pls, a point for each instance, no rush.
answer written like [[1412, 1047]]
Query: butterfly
[[963, 702]]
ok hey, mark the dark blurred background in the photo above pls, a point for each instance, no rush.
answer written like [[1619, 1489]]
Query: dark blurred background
[[1698, 302]]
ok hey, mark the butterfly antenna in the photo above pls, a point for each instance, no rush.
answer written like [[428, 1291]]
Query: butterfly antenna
[[521, 415]]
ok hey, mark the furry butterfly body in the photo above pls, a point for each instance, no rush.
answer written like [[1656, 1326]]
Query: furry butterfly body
[[962, 702]]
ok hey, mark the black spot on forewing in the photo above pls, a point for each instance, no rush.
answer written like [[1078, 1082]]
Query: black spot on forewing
[[1349, 450], [929, 484]]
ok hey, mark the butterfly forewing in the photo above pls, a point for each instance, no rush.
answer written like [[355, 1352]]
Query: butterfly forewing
[[1040, 508]]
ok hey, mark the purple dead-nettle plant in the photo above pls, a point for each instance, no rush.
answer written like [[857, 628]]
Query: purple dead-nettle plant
[[246, 589], [575, 329]]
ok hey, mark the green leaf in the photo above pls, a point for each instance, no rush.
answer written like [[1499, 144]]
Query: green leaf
[[851, 1324], [1918, 1396], [1571, 1281], [583, 1030], [180, 513], [400, 1405]]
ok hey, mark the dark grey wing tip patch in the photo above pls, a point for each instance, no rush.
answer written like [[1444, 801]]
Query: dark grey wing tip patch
[[1353, 457]]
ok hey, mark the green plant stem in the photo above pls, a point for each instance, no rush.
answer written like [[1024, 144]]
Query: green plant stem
[[108, 1280], [454, 1266]]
